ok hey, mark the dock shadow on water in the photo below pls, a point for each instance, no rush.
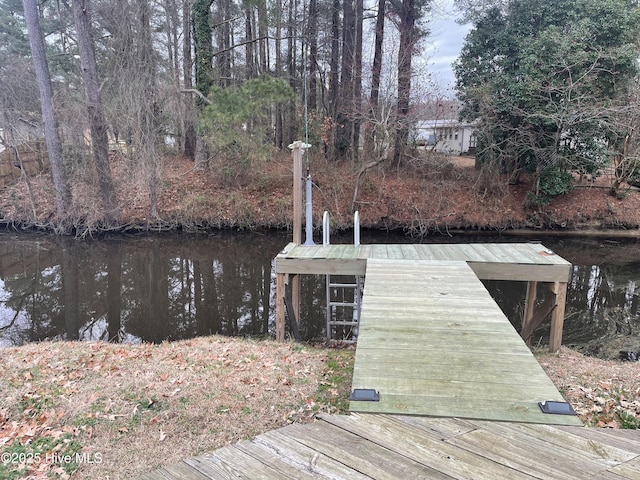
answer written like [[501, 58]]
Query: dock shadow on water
[[167, 287]]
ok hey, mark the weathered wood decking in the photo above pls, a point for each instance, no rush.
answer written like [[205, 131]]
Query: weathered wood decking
[[364, 446], [434, 343], [528, 262]]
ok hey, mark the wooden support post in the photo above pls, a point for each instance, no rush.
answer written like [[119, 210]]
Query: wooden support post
[[295, 296], [292, 315], [280, 281], [529, 308], [559, 289]]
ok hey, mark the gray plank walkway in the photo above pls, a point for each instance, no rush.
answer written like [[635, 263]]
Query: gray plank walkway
[[433, 342], [365, 446], [490, 261]]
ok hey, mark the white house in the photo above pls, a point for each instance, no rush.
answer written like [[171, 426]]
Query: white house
[[446, 136]]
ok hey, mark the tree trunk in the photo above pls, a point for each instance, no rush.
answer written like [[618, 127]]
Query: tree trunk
[[345, 113], [187, 65], [334, 71], [223, 28], [54, 151], [202, 40], [405, 55], [312, 40], [263, 24], [357, 78], [376, 73], [97, 122], [250, 64], [279, 133], [290, 123]]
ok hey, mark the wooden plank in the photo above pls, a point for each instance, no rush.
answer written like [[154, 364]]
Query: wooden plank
[[517, 451], [628, 440], [395, 252], [179, 471], [454, 252], [470, 255], [364, 251], [526, 411], [212, 467], [276, 462], [378, 251], [409, 252], [531, 252], [504, 253], [429, 450], [307, 251], [338, 251], [287, 249], [571, 444], [630, 469], [477, 389], [442, 428], [522, 273], [245, 463], [445, 341], [321, 251], [441, 252], [305, 458], [333, 266], [425, 252], [360, 454], [443, 373], [486, 255]]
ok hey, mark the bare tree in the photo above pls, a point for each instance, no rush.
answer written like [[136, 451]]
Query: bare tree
[[187, 65], [408, 13], [376, 74], [97, 122], [54, 151]]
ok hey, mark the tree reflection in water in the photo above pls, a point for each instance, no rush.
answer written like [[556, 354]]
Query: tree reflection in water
[[156, 288]]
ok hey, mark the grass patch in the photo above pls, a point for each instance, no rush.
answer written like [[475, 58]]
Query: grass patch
[[335, 388], [121, 410]]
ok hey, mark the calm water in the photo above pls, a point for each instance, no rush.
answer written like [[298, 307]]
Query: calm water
[[151, 289]]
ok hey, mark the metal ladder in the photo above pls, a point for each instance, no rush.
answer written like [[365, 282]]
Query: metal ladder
[[344, 295]]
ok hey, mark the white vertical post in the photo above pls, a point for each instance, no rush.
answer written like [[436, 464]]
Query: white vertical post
[[356, 228], [308, 213], [325, 228]]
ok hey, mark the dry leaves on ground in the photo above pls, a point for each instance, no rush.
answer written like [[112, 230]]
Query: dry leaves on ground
[[95, 410], [604, 393]]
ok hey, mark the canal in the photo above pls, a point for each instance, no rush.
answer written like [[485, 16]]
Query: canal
[[174, 286]]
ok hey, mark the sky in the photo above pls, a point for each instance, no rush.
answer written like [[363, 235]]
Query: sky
[[446, 40]]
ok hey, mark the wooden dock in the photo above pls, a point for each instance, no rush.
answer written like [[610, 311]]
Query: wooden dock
[[433, 342], [434, 345], [532, 263], [365, 446]]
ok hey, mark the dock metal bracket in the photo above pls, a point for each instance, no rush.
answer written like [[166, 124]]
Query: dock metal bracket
[[556, 408], [365, 395]]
